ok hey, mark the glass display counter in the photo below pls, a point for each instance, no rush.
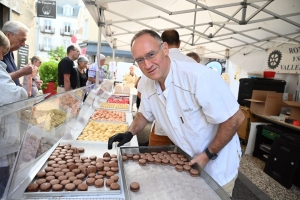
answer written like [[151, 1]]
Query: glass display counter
[[33, 129]]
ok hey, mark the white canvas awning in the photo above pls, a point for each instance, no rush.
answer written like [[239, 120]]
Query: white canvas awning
[[208, 27]]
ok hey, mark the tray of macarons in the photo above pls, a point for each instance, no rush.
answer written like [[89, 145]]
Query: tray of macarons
[[164, 173], [78, 168]]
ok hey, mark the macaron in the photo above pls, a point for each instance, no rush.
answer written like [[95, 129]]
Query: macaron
[[50, 173], [157, 161], [33, 187], [186, 168], [49, 178], [92, 175], [81, 176], [41, 174], [65, 182], [179, 168], [194, 173], [77, 182], [106, 154], [90, 181], [54, 181], [70, 187], [58, 174], [80, 149], [114, 186], [99, 183], [142, 162], [57, 188], [72, 178], [45, 187], [109, 181], [164, 162], [93, 157], [48, 169], [134, 186], [115, 178], [124, 158], [82, 187], [135, 157], [99, 177]]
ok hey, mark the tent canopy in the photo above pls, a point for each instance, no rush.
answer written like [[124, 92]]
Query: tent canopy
[[211, 28]]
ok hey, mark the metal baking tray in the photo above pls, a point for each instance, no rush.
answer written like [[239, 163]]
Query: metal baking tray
[[91, 148], [164, 182]]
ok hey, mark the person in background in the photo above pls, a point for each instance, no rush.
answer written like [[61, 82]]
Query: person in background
[[179, 96], [82, 65], [16, 32], [171, 37], [67, 74], [9, 129], [131, 77], [32, 82], [93, 70], [195, 56]]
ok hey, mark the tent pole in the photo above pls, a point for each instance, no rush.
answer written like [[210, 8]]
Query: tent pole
[[100, 24]]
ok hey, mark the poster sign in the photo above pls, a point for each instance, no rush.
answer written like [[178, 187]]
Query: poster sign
[[23, 56], [46, 9], [284, 59]]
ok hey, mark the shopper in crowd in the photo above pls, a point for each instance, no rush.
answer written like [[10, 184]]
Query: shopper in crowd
[[9, 132], [16, 32], [171, 37], [93, 70], [82, 65], [195, 106], [67, 73], [195, 56], [131, 77], [32, 82]]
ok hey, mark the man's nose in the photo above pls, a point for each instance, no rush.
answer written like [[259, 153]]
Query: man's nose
[[148, 64]]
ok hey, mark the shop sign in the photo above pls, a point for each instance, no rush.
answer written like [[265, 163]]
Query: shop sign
[[23, 56], [284, 59], [46, 9]]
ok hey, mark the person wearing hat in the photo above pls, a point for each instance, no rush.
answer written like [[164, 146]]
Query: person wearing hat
[[93, 69]]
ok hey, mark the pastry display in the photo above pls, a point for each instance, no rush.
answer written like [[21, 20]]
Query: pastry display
[[109, 115], [114, 105], [54, 118], [69, 102], [100, 131], [69, 176]]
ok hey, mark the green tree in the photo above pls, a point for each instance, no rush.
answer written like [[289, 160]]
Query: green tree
[[58, 53]]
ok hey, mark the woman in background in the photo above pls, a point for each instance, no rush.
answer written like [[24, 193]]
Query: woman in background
[[32, 82], [82, 65]]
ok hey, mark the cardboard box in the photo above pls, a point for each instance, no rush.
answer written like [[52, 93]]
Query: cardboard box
[[244, 130], [295, 109], [266, 102]]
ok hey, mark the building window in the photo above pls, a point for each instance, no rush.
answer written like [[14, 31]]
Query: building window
[[47, 25], [47, 44], [67, 27], [66, 43], [68, 10]]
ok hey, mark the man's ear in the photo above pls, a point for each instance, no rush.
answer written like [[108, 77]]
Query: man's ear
[[178, 45], [166, 48]]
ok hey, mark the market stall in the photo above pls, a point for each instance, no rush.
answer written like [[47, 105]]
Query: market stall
[[65, 139]]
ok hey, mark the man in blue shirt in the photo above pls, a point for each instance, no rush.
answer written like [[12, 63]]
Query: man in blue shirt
[[16, 32]]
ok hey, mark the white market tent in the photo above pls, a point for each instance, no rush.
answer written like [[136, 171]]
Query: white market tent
[[241, 31], [212, 28]]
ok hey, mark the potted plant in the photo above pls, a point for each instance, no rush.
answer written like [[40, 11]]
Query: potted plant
[[48, 74]]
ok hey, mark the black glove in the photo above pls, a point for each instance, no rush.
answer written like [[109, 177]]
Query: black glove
[[122, 138]]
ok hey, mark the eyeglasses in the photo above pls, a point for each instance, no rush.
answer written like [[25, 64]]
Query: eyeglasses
[[150, 56]]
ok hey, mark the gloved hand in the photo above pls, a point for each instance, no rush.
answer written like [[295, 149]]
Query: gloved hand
[[122, 138]]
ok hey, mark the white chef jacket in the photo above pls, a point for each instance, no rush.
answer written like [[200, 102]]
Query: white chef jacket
[[196, 100], [175, 54]]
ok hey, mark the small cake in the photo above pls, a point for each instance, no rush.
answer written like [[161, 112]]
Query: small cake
[[70, 187], [82, 187], [57, 188], [114, 186], [99, 183], [45, 187]]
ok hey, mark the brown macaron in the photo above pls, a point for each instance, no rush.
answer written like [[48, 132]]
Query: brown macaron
[[82, 187], [109, 181], [57, 188], [99, 183], [54, 181], [186, 168], [157, 161], [81, 176], [90, 181], [114, 186], [48, 169], [134, 186], [99, 177], [124, 158], [194, 173], [142, 162], [72, 178], [164, 162], [45, 187], [77, 182], [179, 168], [80, 149], [115, 178], [65, 182], [49, 178], [50, 173], [93, 157], [33, 187], [61, 178], [70, 187], [58, 174], [41, 174], [106, 154], [135, 157]]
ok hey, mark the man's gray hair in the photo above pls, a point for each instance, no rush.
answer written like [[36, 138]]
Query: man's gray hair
[[14, 27], [146, 32]]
